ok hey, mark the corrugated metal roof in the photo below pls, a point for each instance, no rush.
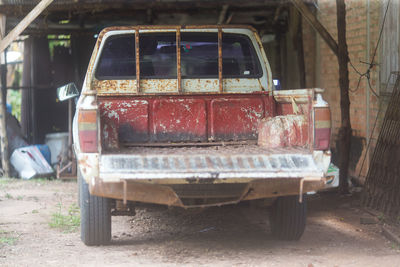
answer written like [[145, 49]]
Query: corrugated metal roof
[[66, 2], [33, 2], [63, 2], [96, 14]]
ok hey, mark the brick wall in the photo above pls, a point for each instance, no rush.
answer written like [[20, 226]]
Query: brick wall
[[322, 69]]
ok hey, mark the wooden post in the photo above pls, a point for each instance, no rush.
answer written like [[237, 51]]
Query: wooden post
[[345, 127], [222, 14], [3, 114], [297, 39], [312, 19], [4, 43]]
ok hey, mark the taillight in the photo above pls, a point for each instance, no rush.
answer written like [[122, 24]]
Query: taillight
[[322, 128], [87, 128]]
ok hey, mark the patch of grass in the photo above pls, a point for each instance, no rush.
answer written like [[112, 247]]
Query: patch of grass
[[395, 246], [6, 238], [20, 197], [35, 211], [66, 222], [4, 181], [40, 180], [381, 217], [8, 196]]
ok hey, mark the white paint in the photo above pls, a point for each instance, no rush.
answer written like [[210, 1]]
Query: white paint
[[113, 114], [320, 102], [107, 105]]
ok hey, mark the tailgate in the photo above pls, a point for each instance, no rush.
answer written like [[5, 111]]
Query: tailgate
[[227, 163]]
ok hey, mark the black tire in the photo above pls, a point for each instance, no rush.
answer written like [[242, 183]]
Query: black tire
[[288, 218], [79, 178], [95, 217]]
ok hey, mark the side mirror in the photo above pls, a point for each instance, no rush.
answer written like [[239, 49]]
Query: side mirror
[[67, 91]]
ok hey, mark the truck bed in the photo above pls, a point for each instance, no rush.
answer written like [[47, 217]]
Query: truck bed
[[231, 163]]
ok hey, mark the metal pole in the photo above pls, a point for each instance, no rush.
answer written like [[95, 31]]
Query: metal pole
[[178, 60], [221, 89], [137, 56]]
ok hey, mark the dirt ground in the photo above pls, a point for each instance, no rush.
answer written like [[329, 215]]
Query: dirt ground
[[226, 236]]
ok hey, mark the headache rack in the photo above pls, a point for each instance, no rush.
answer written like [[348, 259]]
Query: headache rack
[[177, 29]]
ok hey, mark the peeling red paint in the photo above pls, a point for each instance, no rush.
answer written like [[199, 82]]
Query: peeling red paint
[[184, 118], [179, 120]]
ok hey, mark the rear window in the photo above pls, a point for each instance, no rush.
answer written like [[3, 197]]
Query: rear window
[[117, 58], [199, 56], [157, 55]]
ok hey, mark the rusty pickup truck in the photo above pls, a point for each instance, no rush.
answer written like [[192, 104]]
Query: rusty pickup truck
[[187, 116]]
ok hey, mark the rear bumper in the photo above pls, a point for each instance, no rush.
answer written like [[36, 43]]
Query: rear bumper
[[200, 195]]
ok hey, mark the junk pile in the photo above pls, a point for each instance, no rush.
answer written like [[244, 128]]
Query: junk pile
[[31, 161]]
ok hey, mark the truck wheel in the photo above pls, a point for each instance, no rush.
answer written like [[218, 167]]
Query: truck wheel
[[288, 218], [95, 217], [79, 178]]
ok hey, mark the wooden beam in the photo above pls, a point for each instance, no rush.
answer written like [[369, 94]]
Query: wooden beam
[[297, 35], [222, 14], [4, 43], [3, 115], [312, 19]]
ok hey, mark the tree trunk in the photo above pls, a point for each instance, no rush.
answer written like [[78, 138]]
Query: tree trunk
[[345, 128]]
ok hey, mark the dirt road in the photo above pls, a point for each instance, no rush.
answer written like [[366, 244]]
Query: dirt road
[[227, 236]]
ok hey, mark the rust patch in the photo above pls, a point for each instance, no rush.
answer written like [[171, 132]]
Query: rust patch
[[166, 195], [283, 131], [137, 55], [221, 89], [178, 60]]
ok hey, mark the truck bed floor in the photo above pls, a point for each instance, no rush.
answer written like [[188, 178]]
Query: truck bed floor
[[248, 149]]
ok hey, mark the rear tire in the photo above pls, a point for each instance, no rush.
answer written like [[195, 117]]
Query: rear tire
[[79, 178], [95, 217], [288, 218]]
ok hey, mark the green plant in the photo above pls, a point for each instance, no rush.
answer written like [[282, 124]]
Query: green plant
[[35, 211], [395, 246], [6, 238], [4, 181], [9, 196], [14, 99], [66, 222], [39, 180], [58, 40]]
